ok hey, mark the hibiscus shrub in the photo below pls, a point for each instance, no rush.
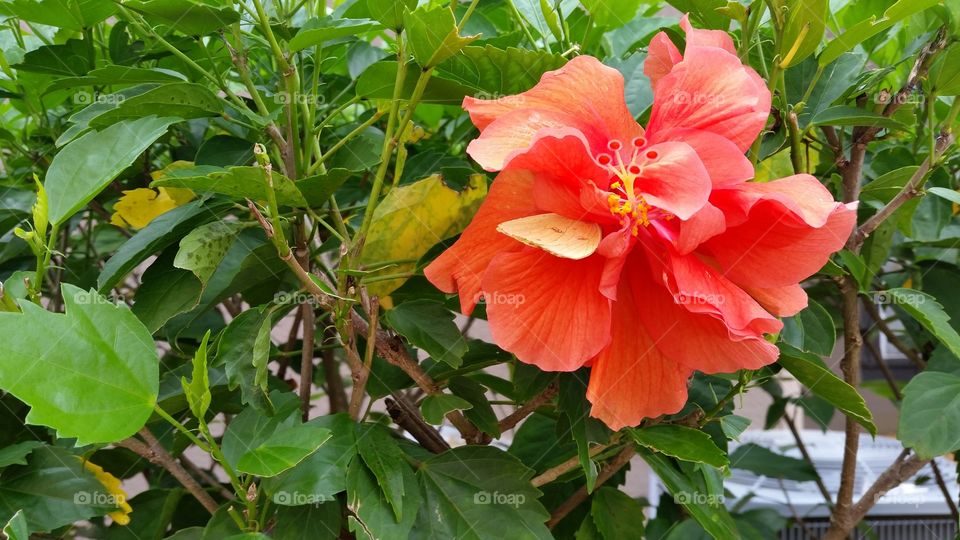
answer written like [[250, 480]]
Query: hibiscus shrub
[[395, 269]]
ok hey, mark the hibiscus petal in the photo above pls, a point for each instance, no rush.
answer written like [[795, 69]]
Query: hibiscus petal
[[708, 222], [557, 235], [724, 162], [711, 90], [584, 94], [699, 341], [553, 315], [662, 55], [701, 289], [632, 379], [784, 301], [460, 268], [673, 179], [783, 231], [697, 37]]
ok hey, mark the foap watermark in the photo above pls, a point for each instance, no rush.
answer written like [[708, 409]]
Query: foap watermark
[[284, 98], [501, 299], [97, 498], [92, 298], [297, 498], [708, 299], [294, 297], [885, 97], [89, 98], [686, 497], [884, 298], [503, 99], [696, 98], [503, 499]]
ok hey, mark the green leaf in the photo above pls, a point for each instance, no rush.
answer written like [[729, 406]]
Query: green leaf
[[944, 193], [318, 189], [611, 15], [763, 462], [197, 390], [313, 521], [16, 454], [373, 517], [407, 223], [97, 379], [251, 428], [690, 492], [154, 510], [68, 14], [319, 30], [435, 407], [843, 115], [865, 29], [322, 475], [886, 187], [53, 489], [389, 12], [165, 292], [387, 462], [616, 515], [163, 231], [16, 528], [499, 73], [224, 151], [733, 426], [481, 413], [182, 100], [88, 164], [70, 59], [575, 418], [478, 492], [378, 80], [237, 182], [112, 74], [283, 450], [811, 330], [930, 414], [204, 247], [944, 76], [238, 353], [812, 373], [681, 442], [928, 312], [806, 23], [429, 325], [433, 35], [186, 16]]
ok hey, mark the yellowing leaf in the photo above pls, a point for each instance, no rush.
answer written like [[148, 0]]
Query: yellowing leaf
[[409, 221], [555, 234], [138, 207]]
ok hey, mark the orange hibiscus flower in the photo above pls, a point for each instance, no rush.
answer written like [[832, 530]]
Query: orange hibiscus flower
[[645, 254]]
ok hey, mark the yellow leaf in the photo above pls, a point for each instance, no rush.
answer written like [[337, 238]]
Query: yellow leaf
[[409, 221], [115, 489], [138, 207], [555, 234]]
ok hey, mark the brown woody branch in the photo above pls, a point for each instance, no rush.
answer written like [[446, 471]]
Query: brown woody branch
[[155, 453], [528, 408], [581, 494]]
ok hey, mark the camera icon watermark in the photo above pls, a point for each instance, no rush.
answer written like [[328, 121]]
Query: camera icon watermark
[[515, 500], [87, 498], [885, 97], [297, 498]]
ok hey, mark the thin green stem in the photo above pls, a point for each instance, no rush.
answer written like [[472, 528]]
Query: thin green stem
[[346, 138], [181, 428]]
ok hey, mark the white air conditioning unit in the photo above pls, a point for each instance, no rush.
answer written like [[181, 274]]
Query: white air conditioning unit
[[915, 510]]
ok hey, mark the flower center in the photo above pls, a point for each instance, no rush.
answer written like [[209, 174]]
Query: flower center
[[625, 203]]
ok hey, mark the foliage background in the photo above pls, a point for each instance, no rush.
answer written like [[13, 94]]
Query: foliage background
[[206, 202]]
